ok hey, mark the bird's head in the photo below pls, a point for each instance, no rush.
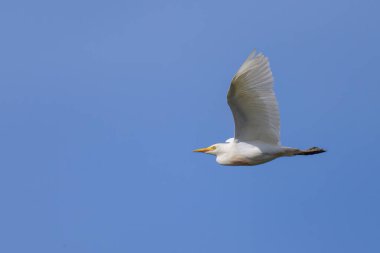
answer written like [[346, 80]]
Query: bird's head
[[212, 150]]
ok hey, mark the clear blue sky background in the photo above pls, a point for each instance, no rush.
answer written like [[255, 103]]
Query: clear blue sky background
[[101, 103]]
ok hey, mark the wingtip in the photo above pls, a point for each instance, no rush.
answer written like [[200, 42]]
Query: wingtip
[[253, 54]]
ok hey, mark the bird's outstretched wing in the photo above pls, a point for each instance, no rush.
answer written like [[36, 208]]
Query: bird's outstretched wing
[[253, 103]]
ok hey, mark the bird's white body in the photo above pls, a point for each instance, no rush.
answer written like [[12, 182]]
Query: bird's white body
[[257, 119], [249, 153], [243, 153]]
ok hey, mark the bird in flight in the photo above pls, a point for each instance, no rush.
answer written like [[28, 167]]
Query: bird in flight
[[257, 119]]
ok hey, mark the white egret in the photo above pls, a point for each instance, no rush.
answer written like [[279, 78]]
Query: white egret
[[257, 119]]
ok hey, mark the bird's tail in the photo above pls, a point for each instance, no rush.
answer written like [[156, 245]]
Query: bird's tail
[[310, 151], [296, 151]]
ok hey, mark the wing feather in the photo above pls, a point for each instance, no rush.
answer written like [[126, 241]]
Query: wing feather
[[253, 102]]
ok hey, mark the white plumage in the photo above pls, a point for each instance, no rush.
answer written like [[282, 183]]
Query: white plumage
[[253, 103], [257, 119]]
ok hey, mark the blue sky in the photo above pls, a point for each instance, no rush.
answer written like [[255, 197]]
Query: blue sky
[[101, 103]]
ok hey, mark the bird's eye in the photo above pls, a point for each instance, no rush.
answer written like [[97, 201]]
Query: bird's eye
[[213, 147]]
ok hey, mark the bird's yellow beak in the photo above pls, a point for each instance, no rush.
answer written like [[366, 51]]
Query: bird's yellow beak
[[204, 150]]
